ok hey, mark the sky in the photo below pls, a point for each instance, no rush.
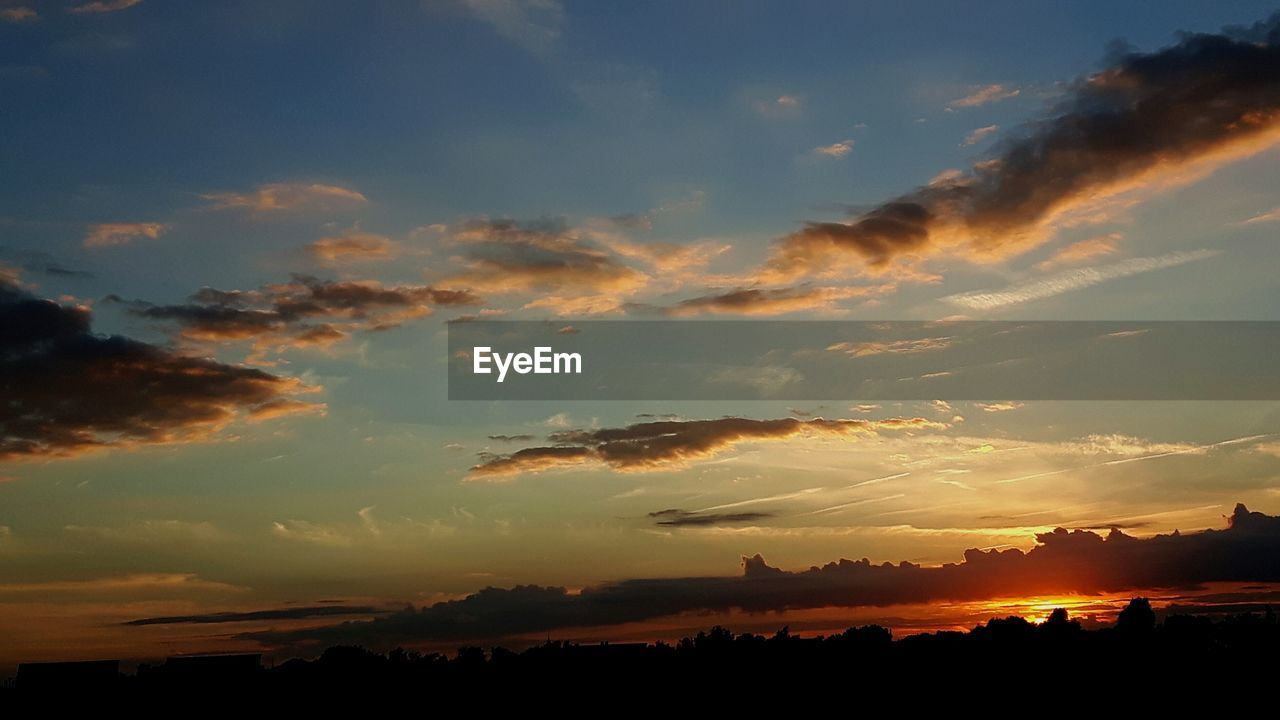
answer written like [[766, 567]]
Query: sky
[[233, 235]]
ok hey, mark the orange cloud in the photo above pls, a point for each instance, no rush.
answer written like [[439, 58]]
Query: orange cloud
[[108, 234], [835, 150], [105, 6], [979, 135], [1083, 250], [353, 245], [1122, 135], [18, 14], [280, 197], [985, 95]]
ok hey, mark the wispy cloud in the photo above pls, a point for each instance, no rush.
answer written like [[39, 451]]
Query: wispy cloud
[[109, 234], [984, 95], [352, 245], [18, 14], [1083, 250], [135, 584], [780, 106], [835, 150], [1266, 217], [675, 517], [891, 347], [290, 196], [995, 407], [1070, 280], [535, 25], [105, 6], [979, 135]]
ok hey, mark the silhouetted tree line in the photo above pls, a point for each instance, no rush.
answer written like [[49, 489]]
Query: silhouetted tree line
[[1181, 649]]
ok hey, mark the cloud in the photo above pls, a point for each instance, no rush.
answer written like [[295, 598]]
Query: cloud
[[308, 532], [108, 234], [996, 407], [353, 245], [1083, 250], [1069, 280], [1148, 123], [891, 347], [985, 95], [289, 197], [152, 531], [777, 301], [668, 258], [835, 150], [534, 25], [1266, 217], [18, 14], [778, 107], [105, 6], [575, 273], [67, 390], [1062, 562], [133, 584], [1125, 446], [304, 312], [979, 135], [34, 261], [289, 613], [691, 202], [682, 518], [659, 445], [284, 407]]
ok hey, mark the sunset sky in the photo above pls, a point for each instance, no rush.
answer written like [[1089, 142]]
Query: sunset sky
[[232, 235]]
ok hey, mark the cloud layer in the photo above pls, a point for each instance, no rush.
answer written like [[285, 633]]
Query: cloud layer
[[1062, 562]]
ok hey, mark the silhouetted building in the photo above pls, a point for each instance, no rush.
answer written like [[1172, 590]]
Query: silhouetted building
[[218, 668], [76, 675]]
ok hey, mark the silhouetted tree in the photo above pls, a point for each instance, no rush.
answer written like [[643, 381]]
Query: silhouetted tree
[[1137, 617]]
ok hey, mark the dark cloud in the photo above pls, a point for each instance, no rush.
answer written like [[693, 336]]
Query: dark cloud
[[60, 271], [577, 273], [654, 445], [1062, 562], [292, 613], [675, 517], [778, 301], [67, 390], [511, 438], [302, 312], [39, 262], [1147, 121]]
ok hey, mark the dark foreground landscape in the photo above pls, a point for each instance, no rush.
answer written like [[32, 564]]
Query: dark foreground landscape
[[1184, 655]]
